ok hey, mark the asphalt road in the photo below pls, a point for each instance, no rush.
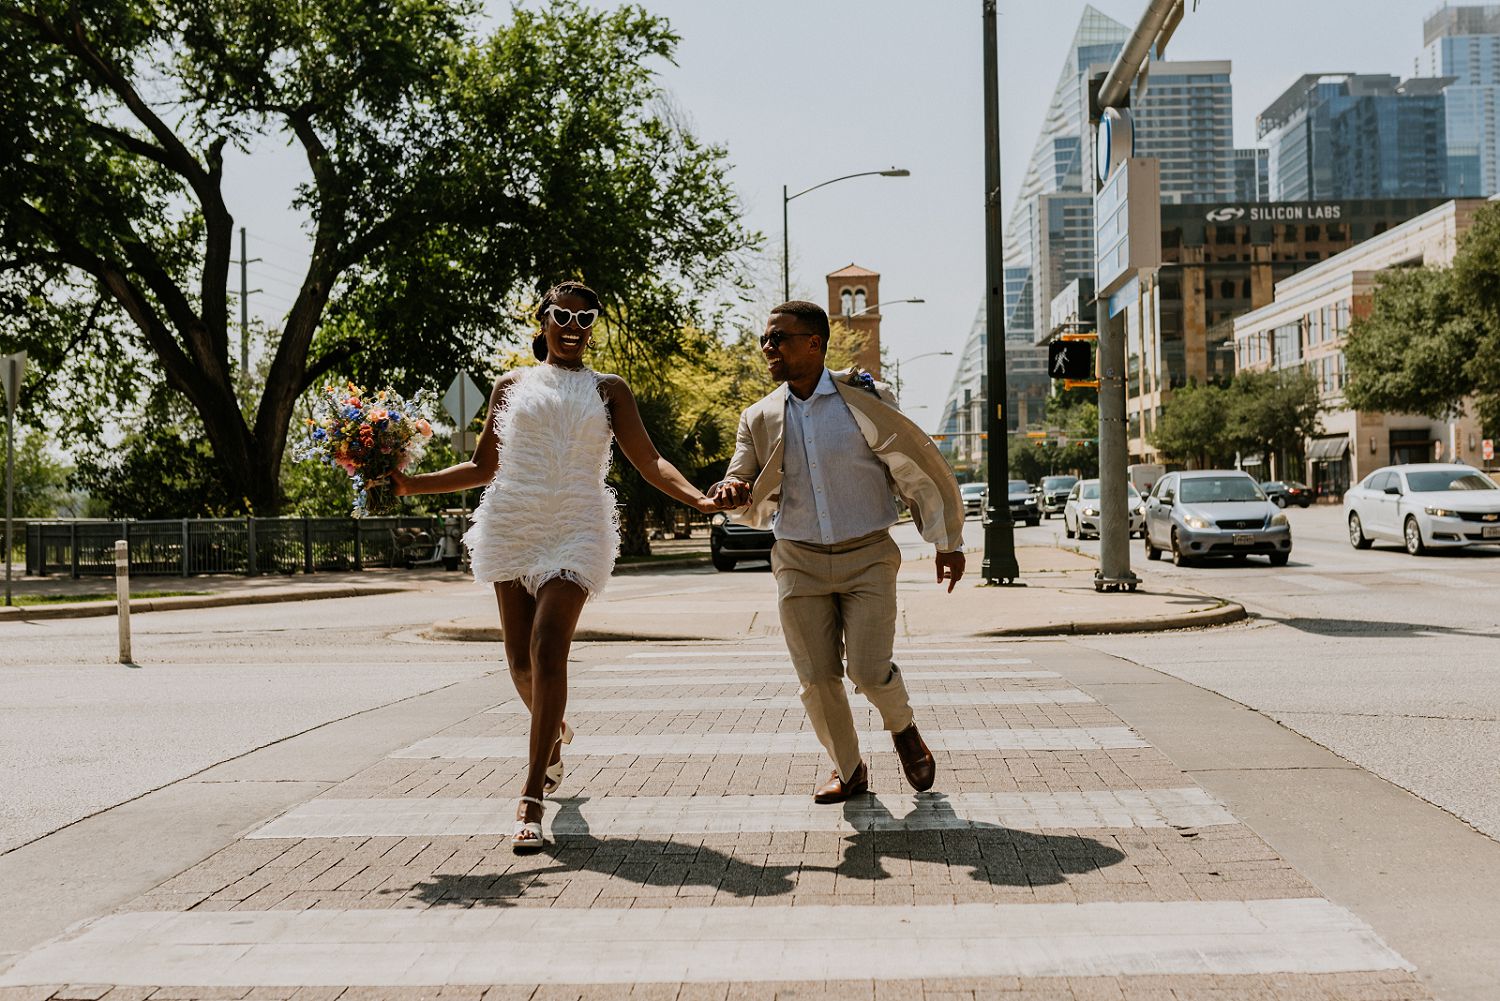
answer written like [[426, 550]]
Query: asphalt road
[[1389, 660]]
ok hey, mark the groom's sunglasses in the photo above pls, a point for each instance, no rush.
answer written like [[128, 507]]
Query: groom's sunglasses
[[776, 338], [563, 317]]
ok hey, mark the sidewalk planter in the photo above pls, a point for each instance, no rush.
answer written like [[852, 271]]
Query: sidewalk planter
[[184, 547]]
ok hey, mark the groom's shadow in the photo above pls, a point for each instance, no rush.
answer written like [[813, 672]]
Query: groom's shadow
[[993, 854]]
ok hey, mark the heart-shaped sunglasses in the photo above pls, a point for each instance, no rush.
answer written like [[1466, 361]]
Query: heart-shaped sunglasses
[[563, 317]]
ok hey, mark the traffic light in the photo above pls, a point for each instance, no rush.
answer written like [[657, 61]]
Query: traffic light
[[1070, 360]]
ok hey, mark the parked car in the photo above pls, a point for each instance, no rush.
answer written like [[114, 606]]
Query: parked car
[[1025, 503], [1284, 492], [1424, 505], [973, 494], [1081, 511], [1214, 512], [729, 542], [1055, 493]]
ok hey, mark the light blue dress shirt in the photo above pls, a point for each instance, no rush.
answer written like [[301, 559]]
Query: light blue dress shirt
[[833, 487]]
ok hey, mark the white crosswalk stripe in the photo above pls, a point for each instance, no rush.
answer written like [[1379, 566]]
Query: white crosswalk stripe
[[708, 653], [913, 677], [800, 742], [1062, 696], [416, 817], [611, 946], [907, 663]]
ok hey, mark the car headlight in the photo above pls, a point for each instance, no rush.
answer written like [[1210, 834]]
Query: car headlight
[[1279, 519], [1441, 512], [1193, 521], [719, 519], [1091, 512], [1140, 509]]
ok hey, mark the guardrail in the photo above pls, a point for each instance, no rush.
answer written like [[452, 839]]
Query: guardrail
[[185, 547]]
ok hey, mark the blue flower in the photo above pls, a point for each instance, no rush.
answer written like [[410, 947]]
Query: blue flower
[[319, 434]]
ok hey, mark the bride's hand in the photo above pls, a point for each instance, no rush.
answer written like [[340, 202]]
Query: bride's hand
[[706, 505], [400, 484]]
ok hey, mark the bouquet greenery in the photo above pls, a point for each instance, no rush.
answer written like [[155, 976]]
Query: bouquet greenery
[[368, 437]]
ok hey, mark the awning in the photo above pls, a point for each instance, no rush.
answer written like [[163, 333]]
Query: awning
[[1328, 449]]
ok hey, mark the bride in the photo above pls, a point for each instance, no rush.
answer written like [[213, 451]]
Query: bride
[[546, 533]]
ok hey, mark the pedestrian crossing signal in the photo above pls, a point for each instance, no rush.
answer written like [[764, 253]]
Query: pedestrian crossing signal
[[1070, 360]]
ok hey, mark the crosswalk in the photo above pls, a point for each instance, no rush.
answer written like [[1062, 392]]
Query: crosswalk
[[1073, 857]]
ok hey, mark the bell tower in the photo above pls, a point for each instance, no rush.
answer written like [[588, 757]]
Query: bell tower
[[852, 292]]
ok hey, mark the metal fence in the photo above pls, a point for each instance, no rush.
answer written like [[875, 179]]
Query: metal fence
[[187, 546]]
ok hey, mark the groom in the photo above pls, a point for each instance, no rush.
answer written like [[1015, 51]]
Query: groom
[[822, 460]]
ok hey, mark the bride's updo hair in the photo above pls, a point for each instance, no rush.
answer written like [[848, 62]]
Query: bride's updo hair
[[556, 292]]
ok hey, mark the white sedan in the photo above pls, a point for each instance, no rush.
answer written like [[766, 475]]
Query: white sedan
[[1424, 505], [1081, 511]]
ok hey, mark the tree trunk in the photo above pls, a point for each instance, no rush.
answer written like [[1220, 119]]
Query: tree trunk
[[634, 539]]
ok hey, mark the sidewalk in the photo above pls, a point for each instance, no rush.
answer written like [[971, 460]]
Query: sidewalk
[[1058, 599]]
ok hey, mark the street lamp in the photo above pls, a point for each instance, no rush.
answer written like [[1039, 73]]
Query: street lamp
[[786, 259], [929, 354], [876, 305]]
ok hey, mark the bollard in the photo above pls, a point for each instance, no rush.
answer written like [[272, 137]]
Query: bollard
[[122, 595]]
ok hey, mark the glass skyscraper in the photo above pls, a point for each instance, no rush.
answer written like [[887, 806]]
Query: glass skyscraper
[[1464, 43], [1346, 135]]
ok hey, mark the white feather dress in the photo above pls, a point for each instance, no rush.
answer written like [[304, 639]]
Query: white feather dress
[[548, 513]]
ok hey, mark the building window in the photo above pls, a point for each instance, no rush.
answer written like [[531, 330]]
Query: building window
[[859, 299], [846, 302]]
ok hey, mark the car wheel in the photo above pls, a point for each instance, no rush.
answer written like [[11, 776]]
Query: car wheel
[[1305, 504], [1179, 558], [1046, 515], [1279, 559], [1413, 536], [724, 563], [1357, 537], [1067, 527], [1152, 553], [1033, 522], [1279, 500]]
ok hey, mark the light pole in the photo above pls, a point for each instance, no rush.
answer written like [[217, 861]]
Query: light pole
[[929, 354], [786, 258]]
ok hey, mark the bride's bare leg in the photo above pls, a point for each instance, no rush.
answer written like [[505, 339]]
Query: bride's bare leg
[[517, 621], [558, 605]]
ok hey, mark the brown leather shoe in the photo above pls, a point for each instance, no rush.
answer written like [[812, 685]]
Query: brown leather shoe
[[916, 759], [836, 790]]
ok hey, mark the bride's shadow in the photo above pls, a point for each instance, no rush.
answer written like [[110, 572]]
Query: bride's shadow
[[993, 854]]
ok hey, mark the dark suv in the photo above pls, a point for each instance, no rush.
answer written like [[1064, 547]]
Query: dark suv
[[728, 543], [1055, 493]]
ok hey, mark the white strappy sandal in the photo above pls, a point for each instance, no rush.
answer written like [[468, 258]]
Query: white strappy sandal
[[555, 771], [528, 834]]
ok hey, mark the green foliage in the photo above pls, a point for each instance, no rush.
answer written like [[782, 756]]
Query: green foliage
[[453, 176], [1075, 449], [41, 488], [1432, 339], [1195, 427]]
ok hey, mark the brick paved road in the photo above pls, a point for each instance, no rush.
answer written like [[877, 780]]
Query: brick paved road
[[1060, 857]]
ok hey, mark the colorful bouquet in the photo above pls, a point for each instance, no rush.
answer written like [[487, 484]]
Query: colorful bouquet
[[368, 437]]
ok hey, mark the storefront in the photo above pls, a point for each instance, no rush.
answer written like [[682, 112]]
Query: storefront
[[1329, 462]]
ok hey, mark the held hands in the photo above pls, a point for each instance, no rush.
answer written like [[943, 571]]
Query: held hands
[[950, 566], [727, 495]]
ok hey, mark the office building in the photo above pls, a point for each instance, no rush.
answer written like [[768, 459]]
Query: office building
[[1357, 136], [1306, 326], [962, 426], [1463, 43], [1252, 180]]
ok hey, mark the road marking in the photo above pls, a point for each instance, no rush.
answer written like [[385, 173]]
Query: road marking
[[324, 947], [798, 742], [1436, 579], [1316, 583], [786, 677], [992, 662], [781, 652], [630, 816], [709, 703]]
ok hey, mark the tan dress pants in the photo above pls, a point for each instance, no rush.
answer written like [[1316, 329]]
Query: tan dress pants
[[837, 599]]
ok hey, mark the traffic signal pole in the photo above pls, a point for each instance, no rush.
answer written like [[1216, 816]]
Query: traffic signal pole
[[999, 531]]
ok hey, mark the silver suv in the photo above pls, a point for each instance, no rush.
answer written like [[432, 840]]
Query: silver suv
[[1214, 512]]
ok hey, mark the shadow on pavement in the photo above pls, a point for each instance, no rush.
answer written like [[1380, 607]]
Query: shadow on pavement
[[1367, 627], [1032, 859]]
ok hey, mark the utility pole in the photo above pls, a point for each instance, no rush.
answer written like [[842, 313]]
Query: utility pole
[[999, 531], [12, 372], [245, 293]]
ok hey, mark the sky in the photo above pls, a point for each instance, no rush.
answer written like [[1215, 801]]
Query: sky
[[801, 91]]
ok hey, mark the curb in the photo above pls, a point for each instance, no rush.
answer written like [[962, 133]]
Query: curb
[[647, 566], [1220, 615], [94, 609]]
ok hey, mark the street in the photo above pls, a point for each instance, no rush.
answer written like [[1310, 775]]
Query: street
[[325, 757]]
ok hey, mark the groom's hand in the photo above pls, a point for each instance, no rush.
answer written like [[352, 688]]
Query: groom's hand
[[730, 494], [950, 566]]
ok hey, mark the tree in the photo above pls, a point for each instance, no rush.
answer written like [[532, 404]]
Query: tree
[[41, 489], [453, 176], [1432, 339], [1195, 427], [1275, 413]]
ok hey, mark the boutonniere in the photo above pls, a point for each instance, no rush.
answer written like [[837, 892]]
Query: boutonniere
[[864, 380]]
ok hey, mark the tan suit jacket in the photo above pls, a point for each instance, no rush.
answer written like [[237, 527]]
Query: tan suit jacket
[[915, 469]]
